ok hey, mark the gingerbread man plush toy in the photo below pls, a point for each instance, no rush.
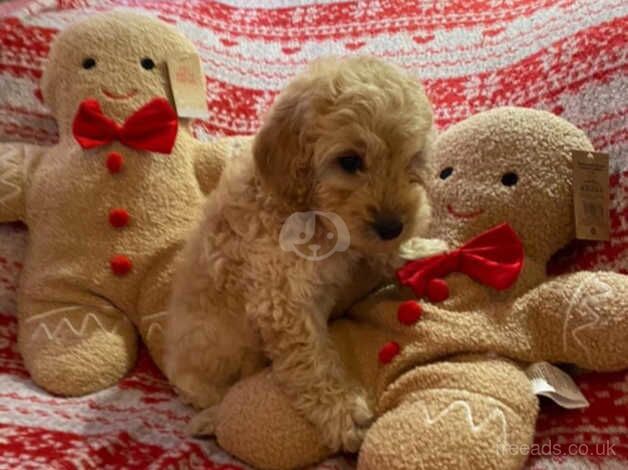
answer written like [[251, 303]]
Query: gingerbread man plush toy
[[108, 206], [443, 356]]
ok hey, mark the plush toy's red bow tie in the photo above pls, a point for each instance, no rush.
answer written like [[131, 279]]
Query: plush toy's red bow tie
[[493, 258], [153, 127]]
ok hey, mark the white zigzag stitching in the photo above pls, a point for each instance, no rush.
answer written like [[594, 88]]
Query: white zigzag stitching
[[10, 172], [65, 322], [495, 414], [155, 325], [588, 306]]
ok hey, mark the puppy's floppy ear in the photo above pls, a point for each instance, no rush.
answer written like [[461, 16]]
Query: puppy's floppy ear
[[282, 148]]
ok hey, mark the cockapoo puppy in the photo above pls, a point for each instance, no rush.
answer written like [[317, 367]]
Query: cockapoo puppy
[[337, 164]]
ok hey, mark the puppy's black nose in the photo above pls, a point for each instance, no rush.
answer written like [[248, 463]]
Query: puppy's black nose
[[388, 227]]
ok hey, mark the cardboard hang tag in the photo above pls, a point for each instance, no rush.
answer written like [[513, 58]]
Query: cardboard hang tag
[[591, 195], [187, 83]]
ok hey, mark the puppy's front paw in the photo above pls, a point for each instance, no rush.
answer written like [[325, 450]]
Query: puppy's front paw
[[347, 423], [195, 392], [204, 423]]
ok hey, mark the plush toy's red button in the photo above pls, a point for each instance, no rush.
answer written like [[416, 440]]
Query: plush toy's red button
[[120, 265], [409, 312], [437, 290], [388, 352], [115, 161], [118, 217]]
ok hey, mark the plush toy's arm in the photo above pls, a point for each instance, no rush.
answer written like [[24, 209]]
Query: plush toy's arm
[[210, 158], [15, 159], [579, 318]]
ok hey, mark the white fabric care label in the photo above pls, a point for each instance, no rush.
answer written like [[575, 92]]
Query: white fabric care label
[[551, 382]]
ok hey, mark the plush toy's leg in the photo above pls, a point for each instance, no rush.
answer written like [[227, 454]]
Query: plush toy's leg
[[73, 349], [256, 423], [151, 321], [468, 413], [152, 305]]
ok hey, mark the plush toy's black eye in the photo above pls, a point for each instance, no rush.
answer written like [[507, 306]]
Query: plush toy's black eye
[[89, 63], [147, 63], [351, 163], [509, 179], [446, 173]]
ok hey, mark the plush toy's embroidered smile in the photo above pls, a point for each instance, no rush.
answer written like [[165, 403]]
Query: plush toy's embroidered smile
[[117, 96], [463, 215]]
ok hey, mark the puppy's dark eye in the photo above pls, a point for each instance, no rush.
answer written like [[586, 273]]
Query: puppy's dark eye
[[147, 63], [89, 63], [351, 163], [446, 173], [510, 178]]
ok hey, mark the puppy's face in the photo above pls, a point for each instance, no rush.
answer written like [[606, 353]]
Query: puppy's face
[[349, 137], [370, 177]]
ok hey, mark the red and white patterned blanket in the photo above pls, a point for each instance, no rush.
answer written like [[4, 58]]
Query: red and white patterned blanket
[[567, 56]]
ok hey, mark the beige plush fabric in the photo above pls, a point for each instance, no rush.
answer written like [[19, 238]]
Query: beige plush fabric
[[456, 396], [257, 423], [77, 319]]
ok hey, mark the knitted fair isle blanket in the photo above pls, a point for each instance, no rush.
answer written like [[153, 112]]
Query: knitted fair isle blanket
[[566, 56]]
